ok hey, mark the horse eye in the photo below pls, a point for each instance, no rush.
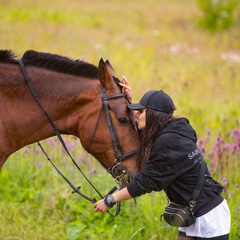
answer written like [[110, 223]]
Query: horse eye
[[123, 120]]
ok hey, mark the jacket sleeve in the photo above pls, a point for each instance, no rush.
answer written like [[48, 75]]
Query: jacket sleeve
[[156, 175]]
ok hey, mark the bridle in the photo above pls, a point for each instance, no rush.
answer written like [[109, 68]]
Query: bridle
[[118, 158], [113, 170]]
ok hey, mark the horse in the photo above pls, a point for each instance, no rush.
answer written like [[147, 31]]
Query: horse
[[76, 97]]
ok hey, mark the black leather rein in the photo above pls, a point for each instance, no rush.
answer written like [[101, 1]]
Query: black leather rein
[[118, 159]]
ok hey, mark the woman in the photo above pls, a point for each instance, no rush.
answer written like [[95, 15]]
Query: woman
[[171, 163]]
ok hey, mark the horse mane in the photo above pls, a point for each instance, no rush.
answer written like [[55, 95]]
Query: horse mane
[[52, 62], [7, 56]]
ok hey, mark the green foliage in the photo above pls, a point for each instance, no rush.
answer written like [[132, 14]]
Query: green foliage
[[218, 14], [38, 204]]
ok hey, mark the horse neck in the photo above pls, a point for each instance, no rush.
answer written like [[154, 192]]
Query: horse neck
[[62, 96]]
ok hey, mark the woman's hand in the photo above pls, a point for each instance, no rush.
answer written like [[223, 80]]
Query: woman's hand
[[119, 196], [100, 206], [126, 89]]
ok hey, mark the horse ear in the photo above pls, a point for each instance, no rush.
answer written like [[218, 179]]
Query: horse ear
[[104, 75], [110, 68]]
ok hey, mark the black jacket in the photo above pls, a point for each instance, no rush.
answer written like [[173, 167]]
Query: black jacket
[[173, 166]]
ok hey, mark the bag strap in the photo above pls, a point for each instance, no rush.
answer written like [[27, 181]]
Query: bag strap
[[198, 188], [199, 184]]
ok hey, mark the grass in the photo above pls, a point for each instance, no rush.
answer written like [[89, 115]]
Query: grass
[[157, 45]]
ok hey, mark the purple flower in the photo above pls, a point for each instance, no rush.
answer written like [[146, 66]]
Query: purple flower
[[236, 131], [225, 180], [202, 149], [52, 143], [79, 159], [26, 150], [207, 138], [37, 150], [236, 134], [217, 143], [213, 164], [211, 155], [70, 146], [40, 164], [212, 167], [235, 147], [227, 146]]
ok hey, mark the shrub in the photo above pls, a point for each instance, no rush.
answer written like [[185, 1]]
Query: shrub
[[217, 14]]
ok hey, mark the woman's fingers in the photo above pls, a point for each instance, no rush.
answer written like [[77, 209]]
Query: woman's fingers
[[126, 88], [100, 206], [124, 78]]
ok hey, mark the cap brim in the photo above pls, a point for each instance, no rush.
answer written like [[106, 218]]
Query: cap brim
[[135, 106]]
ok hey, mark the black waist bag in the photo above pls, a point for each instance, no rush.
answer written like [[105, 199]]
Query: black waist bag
[[178, 215], [182, 216]]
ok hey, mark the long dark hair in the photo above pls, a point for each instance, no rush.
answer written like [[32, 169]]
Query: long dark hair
[[155, 122]]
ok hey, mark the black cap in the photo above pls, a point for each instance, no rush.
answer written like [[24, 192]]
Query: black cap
[[154, 99]]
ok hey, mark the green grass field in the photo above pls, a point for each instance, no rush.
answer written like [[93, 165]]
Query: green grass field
[[156, 44]]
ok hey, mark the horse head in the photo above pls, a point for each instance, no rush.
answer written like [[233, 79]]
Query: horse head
[[114, 142], [83, 100]]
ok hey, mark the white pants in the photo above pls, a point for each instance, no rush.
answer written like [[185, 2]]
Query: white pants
[[212, 224]]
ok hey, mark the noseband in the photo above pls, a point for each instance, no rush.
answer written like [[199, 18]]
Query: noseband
[[113, 170]]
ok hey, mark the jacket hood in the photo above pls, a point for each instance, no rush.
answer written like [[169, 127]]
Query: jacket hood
[[182, 127]]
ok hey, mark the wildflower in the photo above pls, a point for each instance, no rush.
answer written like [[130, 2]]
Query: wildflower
[[80, 158], [230, 57], [218, 143], [236, 134], [212, 167], [70, 146], [211, 155], [26, 150], [52, 143], [213, 164], [207, 138], [40, 164], [220, 152], [37, 150], [225, 180], [200, 145], [235, 147], [236, 131], [227, 147]]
